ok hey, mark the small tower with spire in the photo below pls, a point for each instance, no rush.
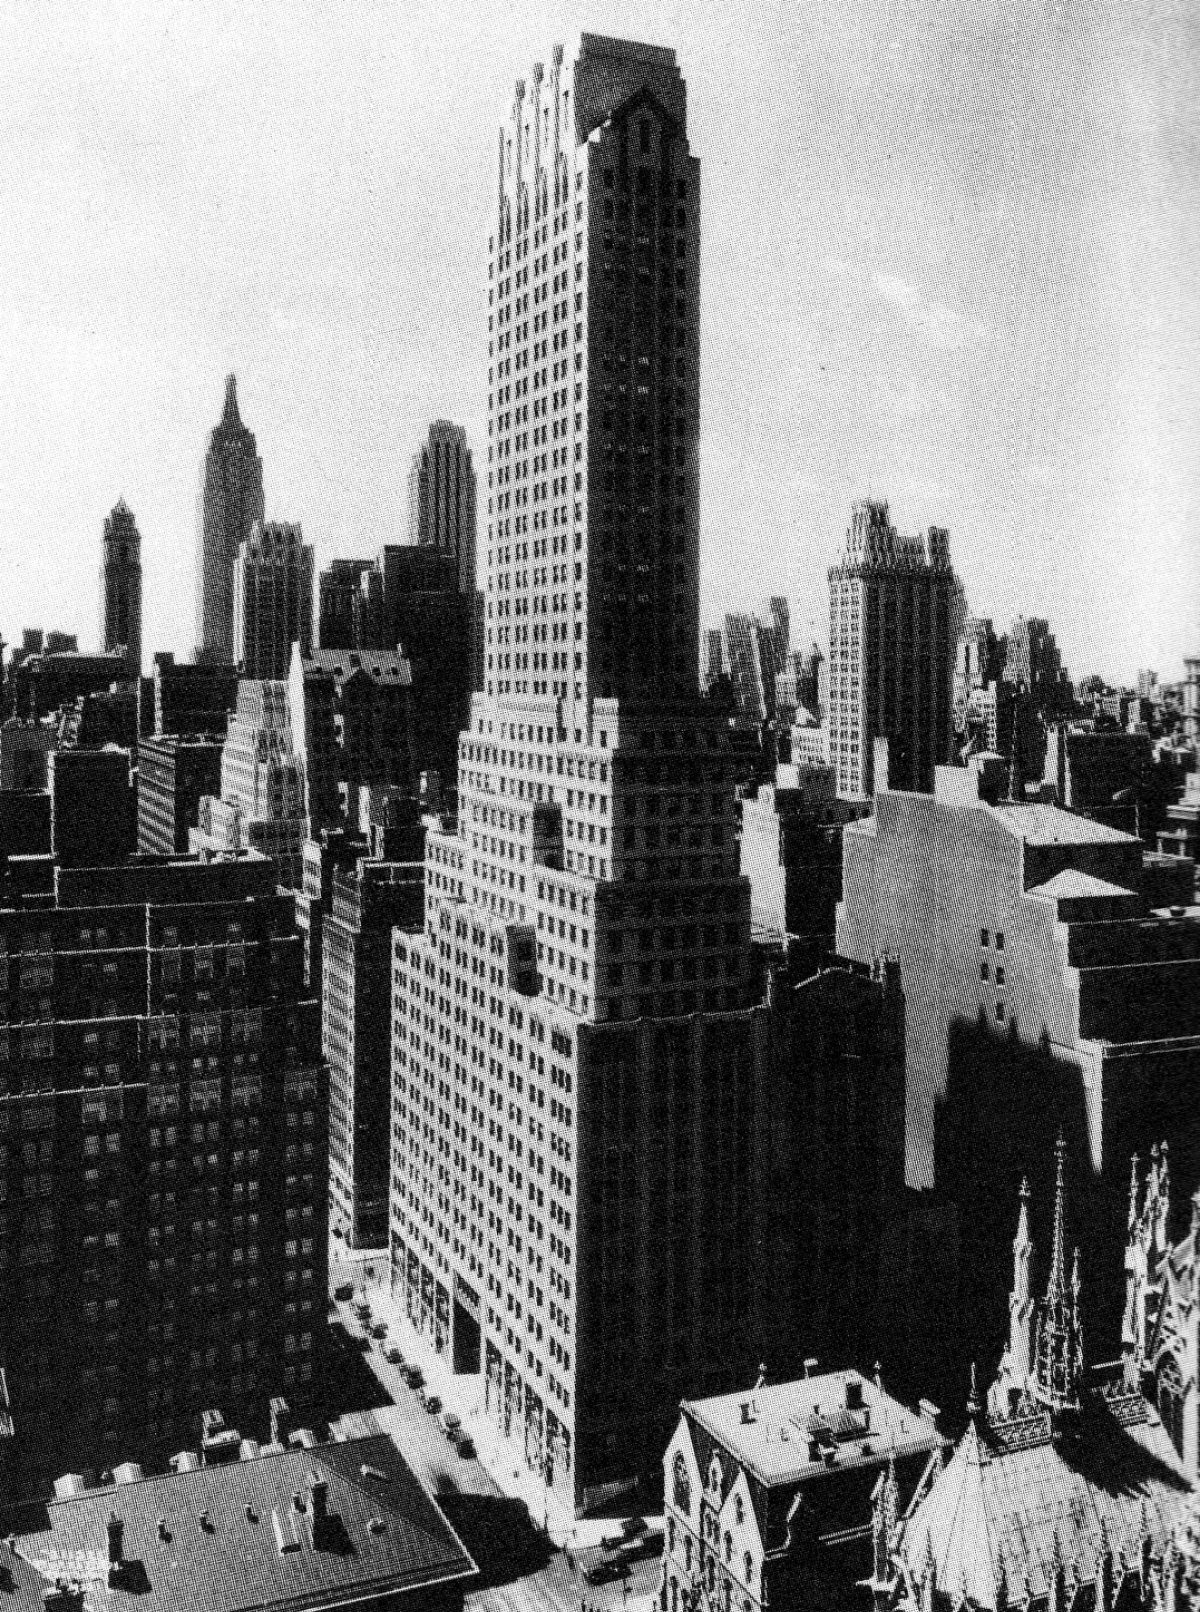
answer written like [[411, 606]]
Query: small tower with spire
[[1012, 1384], [1147, 1240], [1058, 1362]]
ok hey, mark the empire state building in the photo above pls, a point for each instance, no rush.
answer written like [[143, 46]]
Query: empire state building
[[231, 500]]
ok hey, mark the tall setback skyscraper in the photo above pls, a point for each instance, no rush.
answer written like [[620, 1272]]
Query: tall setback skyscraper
[[441, 498], [576, 1067], [272, 599], [121, 587], [231, 500], [893, 608]]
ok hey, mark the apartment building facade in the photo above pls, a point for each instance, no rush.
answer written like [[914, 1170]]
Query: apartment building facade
[[163, 1157]]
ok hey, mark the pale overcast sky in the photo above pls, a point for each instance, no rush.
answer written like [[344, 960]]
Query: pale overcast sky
[[949, 257]]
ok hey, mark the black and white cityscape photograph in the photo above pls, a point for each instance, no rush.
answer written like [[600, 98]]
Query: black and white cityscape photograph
[[599, 806]]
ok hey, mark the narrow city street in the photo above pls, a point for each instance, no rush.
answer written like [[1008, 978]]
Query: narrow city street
[[521, 1569]]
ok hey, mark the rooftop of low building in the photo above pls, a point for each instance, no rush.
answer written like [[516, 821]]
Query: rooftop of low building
[[240, 1534], [791, 1432]]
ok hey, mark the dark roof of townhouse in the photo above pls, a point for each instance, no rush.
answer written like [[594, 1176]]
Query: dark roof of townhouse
[[384, 666], [229, 1537]]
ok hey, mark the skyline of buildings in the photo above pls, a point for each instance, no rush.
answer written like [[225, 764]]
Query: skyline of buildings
[[347, 599], [638, 1054]]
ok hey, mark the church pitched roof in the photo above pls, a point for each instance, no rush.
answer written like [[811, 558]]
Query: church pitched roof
[[1052, 1501], [952, 1529]]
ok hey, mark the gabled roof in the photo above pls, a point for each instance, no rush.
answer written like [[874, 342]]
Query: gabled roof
[[229, 1537], [1039, 824], [1072, 885]]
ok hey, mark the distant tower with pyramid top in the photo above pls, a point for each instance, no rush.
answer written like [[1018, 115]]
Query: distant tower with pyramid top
[[121, 587]]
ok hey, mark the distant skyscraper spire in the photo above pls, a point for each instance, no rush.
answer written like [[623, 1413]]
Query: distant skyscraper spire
[[230, 417], [231, 500]]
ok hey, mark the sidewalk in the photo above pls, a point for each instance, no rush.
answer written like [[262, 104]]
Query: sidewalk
[[503, 1462]]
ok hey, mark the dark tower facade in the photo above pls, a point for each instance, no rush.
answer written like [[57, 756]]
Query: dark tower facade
[[121, 587], [231, 500], [441, 498]]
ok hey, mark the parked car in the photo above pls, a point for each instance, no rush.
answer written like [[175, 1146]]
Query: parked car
[[631, 1527], [362, 1310], [450, 1421], [343, 1291], [605, 1572], [379, 1330], [432, 1404], [393, 1356], [636, 1550], [414, 1376], [465, 1445]]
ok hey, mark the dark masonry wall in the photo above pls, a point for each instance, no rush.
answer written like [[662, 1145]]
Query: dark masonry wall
[[1004, 1105]]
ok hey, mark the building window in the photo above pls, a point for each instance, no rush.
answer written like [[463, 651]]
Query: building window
[[999, 973], [983, 971], [1000, 1012], [983, 937], [683, 1487], [999, 940]]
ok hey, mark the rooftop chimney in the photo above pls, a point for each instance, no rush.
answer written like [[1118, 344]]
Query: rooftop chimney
[[281, 1420], [318, 1503], [115, 1529]]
